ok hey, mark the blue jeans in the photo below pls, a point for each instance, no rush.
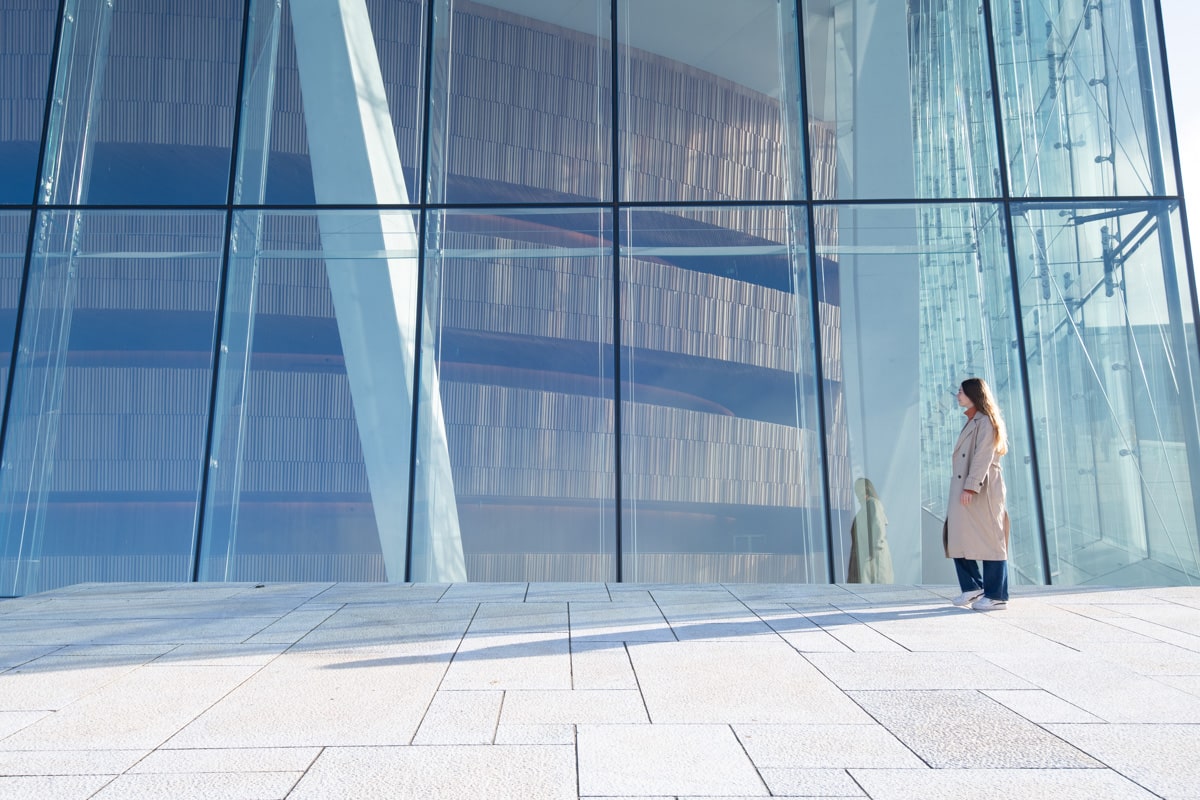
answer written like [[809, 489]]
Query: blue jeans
[[994, 581]]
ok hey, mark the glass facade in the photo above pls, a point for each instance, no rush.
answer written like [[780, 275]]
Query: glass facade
[[653, 291]]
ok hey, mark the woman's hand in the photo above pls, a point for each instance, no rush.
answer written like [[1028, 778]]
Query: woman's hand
[[966, 497]]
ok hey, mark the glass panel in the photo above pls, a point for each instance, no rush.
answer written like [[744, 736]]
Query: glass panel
[[1082, 96], [915, 299], [899, 99], [721, 469], [106, 430], [309, 476], [710, 101], [1111, 343], [26, 42], [14, 232], [515, 439], [331, 108], [521, 102], [143, 103]]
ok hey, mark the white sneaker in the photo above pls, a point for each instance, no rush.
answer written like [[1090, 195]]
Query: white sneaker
[[966, 598], [988, 604]]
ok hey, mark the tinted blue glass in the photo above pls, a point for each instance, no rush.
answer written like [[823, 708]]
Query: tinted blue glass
[[1083, 102], [709, 101], [515, 442], [309, 474], [900, 99], [106, 428], [915, 300], [14, 232], [521, 102], [26, 42], [1111, 347], [331, 108], [144, 101], [721, 470]]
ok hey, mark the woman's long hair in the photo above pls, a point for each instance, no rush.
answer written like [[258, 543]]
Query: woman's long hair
[[978, 392]]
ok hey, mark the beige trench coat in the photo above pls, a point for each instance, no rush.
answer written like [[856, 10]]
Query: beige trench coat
[[978, 531]]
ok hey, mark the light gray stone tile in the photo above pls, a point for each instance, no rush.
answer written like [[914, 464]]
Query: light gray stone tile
[[15, 656], [496, 772], [956, 784], [824, 747], [966, 730], [1184, 683], [619, 621], [466, 717], [601, 665], [139, 710], [905, 670], [737, 681], [1151, 659], [576, 706], [535, 734], [118, 653], [53, 682], [664, 760], [852, 633], [1162, 758], [1038, 705], [793, 782], [224, 759], [13, 721], [294, 625], [1064, 626], [1161, 633], [485, 592], [1108, 691], [221, 655], [68, 762], [511, 662], [313, 700], [52, 787], [501, 618], [567, 592], [202, 786], [720, 627]]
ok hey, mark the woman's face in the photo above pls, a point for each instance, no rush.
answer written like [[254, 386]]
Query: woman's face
[[963, 400]]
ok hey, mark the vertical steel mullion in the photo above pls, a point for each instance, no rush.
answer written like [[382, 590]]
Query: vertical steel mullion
[[618, 466], [222, 286], [814, 301], [423, 171], [1014, 278]]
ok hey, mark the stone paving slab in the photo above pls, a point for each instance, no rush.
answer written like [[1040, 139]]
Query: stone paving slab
[[592, 690]]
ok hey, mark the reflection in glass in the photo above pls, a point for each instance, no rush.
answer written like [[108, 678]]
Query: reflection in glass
[[1111, 345], [521, 102], [309, 475], [24, 74], [516, 385], [14, 232], [1082, 99], [913, 300], [710, 100], [123, 129], [331, 103], [721, 470], [899, 99], [105, 439]]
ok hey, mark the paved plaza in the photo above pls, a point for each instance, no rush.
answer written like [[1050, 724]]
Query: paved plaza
[[525, 691]]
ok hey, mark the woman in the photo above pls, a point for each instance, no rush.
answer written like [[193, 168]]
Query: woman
[[977, 520], [870, 557]]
